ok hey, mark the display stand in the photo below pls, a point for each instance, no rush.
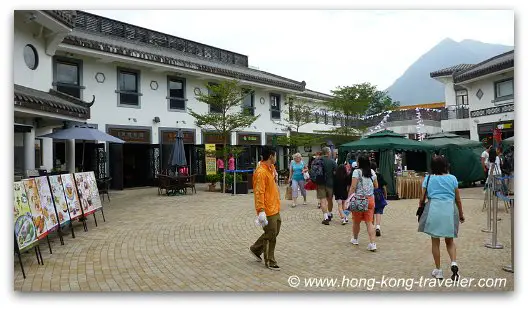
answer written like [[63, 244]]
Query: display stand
[[38, 254]]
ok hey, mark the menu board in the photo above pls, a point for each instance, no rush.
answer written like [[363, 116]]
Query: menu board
[[36, 209], [46, 202], [68, 184], [210, 159], [25, 231], [60, 201], [88, 192]]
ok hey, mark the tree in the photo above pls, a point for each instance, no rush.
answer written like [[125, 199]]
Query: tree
[[351, 102], [224, 99], [381, 102], [300, 113]]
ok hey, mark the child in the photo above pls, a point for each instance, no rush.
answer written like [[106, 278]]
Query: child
[[342, 181]]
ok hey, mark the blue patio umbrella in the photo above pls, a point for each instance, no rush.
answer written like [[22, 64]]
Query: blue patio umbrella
[[177, 157], [84, 133]]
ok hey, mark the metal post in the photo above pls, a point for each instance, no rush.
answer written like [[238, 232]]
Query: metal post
[[234, 182], [494, 244], [509, 268], [487, 202]]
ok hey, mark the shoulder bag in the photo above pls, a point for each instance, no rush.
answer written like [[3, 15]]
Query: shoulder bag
[[420, 209]]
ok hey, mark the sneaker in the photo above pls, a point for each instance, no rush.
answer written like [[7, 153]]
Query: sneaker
[[304, 203], [378, 232], [319, 205], [330, 216], [454, 269], [437, 273], [371, 247], [354, 241], [326, 222], [293, 205], [344, 221], [274, 267], [255, 255]]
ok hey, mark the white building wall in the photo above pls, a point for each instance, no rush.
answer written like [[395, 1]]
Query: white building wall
[[40, 78], [488, 88], [453, 125]]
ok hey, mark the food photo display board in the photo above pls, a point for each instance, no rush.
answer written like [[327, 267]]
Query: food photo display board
[[88, 192], [36, 209], [46, 202], [70, 191], [60, 200], [25, 231]]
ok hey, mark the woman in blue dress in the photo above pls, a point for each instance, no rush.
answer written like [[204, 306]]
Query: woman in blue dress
[[442, 213]]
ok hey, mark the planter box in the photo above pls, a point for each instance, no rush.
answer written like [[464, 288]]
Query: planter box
[[241, 188]]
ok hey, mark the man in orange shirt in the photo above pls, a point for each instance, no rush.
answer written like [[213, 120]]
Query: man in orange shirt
[[267, 205]]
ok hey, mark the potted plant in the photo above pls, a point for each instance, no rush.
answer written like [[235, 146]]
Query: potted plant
[[212, 179], [240, 185]]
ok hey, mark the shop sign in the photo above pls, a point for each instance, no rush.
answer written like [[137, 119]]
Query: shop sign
[[249, 139], [169, 137], [131, 135]]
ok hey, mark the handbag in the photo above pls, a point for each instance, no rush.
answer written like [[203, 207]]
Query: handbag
[[380, 198], [288, 195], [310, 185], [358, 202], [420, 209]]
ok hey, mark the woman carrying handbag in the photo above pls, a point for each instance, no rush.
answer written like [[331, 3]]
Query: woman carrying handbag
[[361, 201], [440, 216]]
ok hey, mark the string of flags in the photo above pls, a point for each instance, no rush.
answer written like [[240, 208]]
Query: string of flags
[[381, 126], [420, 126]]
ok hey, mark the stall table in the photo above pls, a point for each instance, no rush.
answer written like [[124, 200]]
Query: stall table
[[409, 187]]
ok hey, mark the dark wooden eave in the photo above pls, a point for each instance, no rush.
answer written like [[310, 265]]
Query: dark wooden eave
[[495, 64], [65, 17], [246, 74], [52, 101]]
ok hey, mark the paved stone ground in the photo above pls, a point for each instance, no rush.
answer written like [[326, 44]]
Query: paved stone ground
[[200, 243]]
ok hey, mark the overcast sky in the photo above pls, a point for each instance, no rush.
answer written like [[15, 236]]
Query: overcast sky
[[327, 48]]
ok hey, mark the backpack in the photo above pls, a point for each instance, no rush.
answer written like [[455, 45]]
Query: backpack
[[317, 174], [507, 163]]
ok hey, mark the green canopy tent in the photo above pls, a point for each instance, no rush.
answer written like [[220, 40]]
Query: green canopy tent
[[386, 143], [463, 155]]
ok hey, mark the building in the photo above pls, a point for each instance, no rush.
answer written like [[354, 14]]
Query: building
[[143, 82], [479, 97]]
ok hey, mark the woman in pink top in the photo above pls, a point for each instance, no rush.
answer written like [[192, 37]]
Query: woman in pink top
[[220, 165], [231, 163]]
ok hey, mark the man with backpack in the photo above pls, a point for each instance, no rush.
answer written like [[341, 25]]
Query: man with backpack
[[322, 173]]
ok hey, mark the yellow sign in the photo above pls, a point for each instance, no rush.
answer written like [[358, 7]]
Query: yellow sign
[[210, 159]]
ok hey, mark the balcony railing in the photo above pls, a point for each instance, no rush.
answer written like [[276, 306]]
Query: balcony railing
[[455, 112], [105, 26]]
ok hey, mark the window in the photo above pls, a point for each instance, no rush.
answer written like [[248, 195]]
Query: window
[[462, 97], [128, 87], [334, 120], [31, 57], [275, 106], [67, 77], [504, 90], [176, 93], [213, 108], [325, 117], [248, 103], [316, 117]]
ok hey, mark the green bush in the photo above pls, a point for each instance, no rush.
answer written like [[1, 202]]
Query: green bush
[[229, 178], [214, 178]]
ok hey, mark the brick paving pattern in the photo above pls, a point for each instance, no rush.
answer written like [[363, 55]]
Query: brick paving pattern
[[200, 243]]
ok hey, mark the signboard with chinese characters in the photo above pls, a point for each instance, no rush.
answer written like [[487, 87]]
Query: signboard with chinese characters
[[210, 159], [39, 220], [269, 138], [215, 138], [72, 199], [249, 139], [131, 135], [61, 206], [169, 137]]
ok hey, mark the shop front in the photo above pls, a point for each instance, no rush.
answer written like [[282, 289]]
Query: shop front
[[485, 131], [214, 138], [252, 144], [168, 138], [272, 139], [136, 162]]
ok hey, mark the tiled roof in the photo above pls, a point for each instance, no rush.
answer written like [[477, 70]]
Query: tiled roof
[[451, 70], [307, 93], [495, 64], [134, 49], [63, 16], [51, 101]]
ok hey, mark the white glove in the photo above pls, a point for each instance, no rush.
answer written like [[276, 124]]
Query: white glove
[[262, 218]]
